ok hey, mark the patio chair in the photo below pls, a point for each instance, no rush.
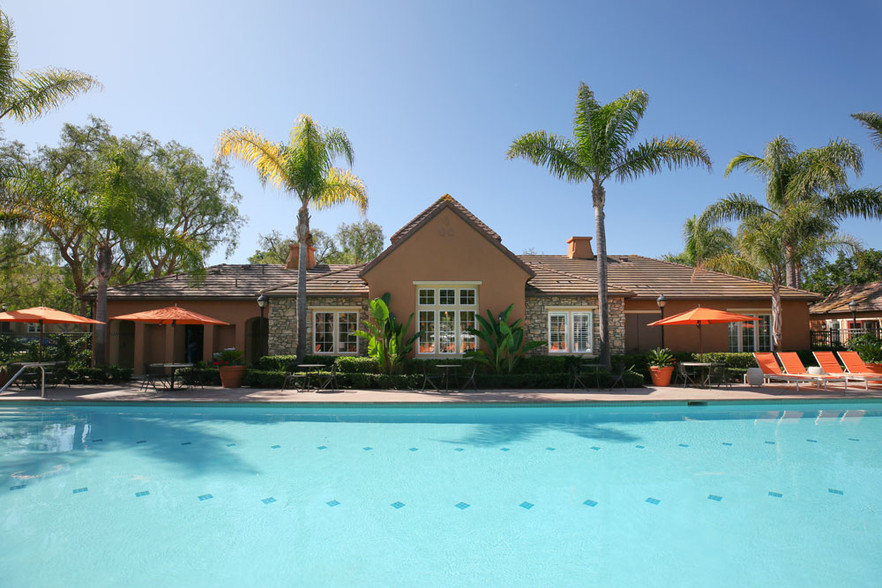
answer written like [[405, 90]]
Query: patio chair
[[687, 376], [293, 380], [431, 379], [582, 373], [617, 376], [794, 366], [718, 375], [328, 381], [854, 364], [469, 381], [828, 363], [772, 372]]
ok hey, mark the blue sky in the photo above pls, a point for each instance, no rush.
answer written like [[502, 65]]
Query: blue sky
[[432, 94]]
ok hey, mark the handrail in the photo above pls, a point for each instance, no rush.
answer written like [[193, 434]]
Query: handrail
[[25, 366]]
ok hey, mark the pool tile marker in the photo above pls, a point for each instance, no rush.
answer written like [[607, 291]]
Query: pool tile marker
[[321, 447], [19, 487], [186, 443], [651, 500], [459, 449], [640, 446], [269, 500], [80, 490], [414, 449], [505, 449], [549, 449], [141, 441], [276, 447], [142, 493], [332, 503], [367, 448], [595, 448], [231, 444], [769, 442], [835, 491], [526, 505], [714, 497], [591, 503], [727, 444], [775, 494], [812, 440], [462, 505], [682, 445], [205, 497], [853, 439], [397, 505]]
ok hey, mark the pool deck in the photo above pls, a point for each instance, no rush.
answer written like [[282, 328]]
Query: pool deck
[[674, 394]]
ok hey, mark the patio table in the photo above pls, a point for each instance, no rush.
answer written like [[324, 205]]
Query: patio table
[[173, 367], [445, 374]]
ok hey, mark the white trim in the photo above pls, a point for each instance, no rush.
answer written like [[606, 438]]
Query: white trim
[[643, 312], [335, 334], [446, 283], [765, 310], [570, 308], [569, 335], [334, 308]]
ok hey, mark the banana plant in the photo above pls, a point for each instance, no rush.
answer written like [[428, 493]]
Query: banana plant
[[388, 343], [504, 342]]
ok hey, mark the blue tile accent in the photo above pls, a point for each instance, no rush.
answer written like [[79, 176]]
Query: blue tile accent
[[595, 448], [549, 449], [414, 449], [269, 500], [812, 440], [591, 503], [186, 443], [835, 491], [19, 487], [367, 448], [231, 444], [853, 439], [205, 497], [683, 445], [97, 440], [276, 447], [332, 503], [727, 444], [462, 505], [769, 442], [714, 497], [640, 446], [653, 500], [141, 441], [142, 493], [397, 505], [776, 494], [459, 449], [505, 449], [526, 505], [322, 447], [80, 490]]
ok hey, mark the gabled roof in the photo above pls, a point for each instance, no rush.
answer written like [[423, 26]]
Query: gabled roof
[[644, 277], [342, 281], [868, 297], [446, 202]]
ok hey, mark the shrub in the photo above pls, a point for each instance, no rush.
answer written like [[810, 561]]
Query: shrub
[[357, 365], [276, 362]]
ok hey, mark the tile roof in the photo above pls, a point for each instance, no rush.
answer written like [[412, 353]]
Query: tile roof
[[341, 281], [868, 296], [220, 281], [644, 277], [444, 201]]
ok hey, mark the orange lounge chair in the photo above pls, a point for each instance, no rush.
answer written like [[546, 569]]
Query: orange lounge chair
[[772, 372], [854, 364], [794, 367], [828, 363]]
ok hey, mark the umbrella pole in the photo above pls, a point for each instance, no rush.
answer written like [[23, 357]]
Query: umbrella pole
[[40, 355], [700, 345]]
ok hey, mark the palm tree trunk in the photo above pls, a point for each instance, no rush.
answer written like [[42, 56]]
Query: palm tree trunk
[[777, 329], [791, 269], [302, 237], [598, 197], [103, 274]]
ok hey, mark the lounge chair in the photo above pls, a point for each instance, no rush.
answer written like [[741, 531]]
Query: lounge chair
[[828, 363], [794, 367], [772, 372]]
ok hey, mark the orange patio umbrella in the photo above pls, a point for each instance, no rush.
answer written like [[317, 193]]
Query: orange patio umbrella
[[170, 315], [45, 315], [703, 316]]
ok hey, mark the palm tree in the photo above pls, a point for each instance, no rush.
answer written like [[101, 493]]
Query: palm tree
[[816, 176], [873, 122], [302, 167], [33, 93], [599, 151], [701, 243]]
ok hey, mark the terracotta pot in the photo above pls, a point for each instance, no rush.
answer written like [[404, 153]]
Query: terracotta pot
[[661, 376], [876, 368], [231, 375]]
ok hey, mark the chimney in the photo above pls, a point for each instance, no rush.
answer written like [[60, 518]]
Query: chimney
[[579, 248], [294, 256]]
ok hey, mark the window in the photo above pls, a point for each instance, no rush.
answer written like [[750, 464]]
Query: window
[[334, 331], [34, 328], [570, 331], [444, 324], [749, 337]]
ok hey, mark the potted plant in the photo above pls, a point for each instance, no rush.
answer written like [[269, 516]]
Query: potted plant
[[229, 364], [661, 366]]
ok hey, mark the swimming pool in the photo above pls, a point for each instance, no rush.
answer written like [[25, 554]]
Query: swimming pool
[[150, 495]]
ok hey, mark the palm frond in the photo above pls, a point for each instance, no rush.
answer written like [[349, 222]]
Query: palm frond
[[250, 147], [550, 151], [750, 163], [824, 169], [863, 202], [625, 116], [732, 207], [341, 187], [872, 121], [652, 156], [339, 145], [36, 92]]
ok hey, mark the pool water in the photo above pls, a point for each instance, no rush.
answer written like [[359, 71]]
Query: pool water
[[719, 495]]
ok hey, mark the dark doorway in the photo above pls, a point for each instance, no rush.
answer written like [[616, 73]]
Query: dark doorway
[[639, 337], [194, 335]]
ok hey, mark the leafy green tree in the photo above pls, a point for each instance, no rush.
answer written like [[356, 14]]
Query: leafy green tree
[[358, 242], [30, 94], [505, 343], [702, 242], [388, 342], [846, 270], [806, 191], [598, 151], [872, 122], [274, 248], [304, 167]]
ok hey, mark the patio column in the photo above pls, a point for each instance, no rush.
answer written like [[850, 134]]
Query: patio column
[[208, 343], [169, 353], [140, 360], [240, 336]]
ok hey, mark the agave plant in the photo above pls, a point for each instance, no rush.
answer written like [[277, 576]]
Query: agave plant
[[505, 342], [388, 343]]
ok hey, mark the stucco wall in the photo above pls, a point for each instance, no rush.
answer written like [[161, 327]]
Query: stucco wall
[[536, 320], [283, 321]]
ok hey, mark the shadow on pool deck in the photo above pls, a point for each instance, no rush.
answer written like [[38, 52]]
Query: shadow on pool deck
[[131, 393]]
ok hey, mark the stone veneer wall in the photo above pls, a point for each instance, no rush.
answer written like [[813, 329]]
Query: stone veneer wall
[[536, 319], [283, 320]]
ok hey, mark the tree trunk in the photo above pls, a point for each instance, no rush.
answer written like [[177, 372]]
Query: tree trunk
[[598, 196], [302, 237], [776, 315], [104, 261], [792, 279]]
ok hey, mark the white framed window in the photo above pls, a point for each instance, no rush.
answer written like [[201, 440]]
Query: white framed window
[[749, 337], [445, 313], [34, 328], [333, 331], [571, 331]]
